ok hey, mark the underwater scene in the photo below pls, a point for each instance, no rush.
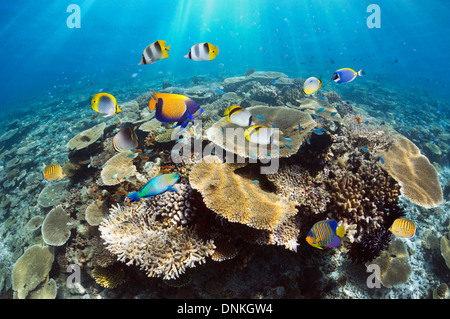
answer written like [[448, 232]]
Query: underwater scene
[[209, 149]]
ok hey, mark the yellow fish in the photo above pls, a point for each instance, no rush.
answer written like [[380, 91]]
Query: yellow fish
[[202, 52], [403, 227], [238, 115], [154, 52], [259, 134], [105, 103], [54, 173], [311, 85]]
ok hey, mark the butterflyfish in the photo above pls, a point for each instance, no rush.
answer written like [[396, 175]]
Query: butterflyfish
[[174, 108], [125, 140], [259, 134], [105, 103], [157, 185], [54, 173], [403, 227], [311, 85], [325, 233], [346, 75], [154, 52], [238, 115], [202, 52]]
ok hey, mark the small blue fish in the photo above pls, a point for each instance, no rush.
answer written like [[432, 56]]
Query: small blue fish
[[115, 176], [288, 139], [333, 113], [320, 110], [299, 127], [364, 149], [130, 155], [318, 131], [260, 117], [381, 160], [308, 141], [273, 125], [288, 146], [322, 98], [219, 91], [324, 130], [252, 155], [366, 122], [133, 150], [315, 116], [147, 151], [254, 181], [157, 185], [215, 119]]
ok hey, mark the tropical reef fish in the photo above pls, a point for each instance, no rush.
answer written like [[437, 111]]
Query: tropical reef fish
[[54, 173], [259, 134], [202, 52], [157, 185], [105, 103], [403, 227], [325, 233], [238, 115], [311, 85], [154, 52], [320, 110], [174, 108], [125, 140], [318, 131], [249, 72], [346, 75]]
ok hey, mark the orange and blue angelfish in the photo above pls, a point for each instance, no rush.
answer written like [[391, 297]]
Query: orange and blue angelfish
[[325, 233], [172, 108]]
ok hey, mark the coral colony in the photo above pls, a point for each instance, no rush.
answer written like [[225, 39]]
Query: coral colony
[[225, 215]]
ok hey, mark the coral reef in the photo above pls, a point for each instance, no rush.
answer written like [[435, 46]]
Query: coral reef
[[87, 137], [108, 277], [118, 168], [56, 227]]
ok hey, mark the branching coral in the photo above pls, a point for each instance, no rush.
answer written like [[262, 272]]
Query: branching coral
[[135, 237]]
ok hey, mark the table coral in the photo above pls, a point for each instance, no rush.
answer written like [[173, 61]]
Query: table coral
[[87, 137], [118, 168], [56, 227]]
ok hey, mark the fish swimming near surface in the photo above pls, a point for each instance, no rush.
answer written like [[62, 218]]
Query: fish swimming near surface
[[403, 227], [346, 75], [154, 52], [311, 85], [172, 108], [325, 233], [238, 115], [202, 52], [157, 185], [105, 103], [54, 173], [125, 140], [250, 72], [259, 134]]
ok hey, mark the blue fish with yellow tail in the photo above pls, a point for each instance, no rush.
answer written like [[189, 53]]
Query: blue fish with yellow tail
[[172, 108], [325, 233], [157, 185]]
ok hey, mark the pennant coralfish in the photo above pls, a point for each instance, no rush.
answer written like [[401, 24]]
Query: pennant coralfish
[[325, 233], [172, 108]]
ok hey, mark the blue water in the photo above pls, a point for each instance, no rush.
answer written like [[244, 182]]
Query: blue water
[[41, 55]]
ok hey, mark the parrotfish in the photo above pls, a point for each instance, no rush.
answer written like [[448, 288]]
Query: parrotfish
[[105, 103], [202, 52], [346, 75], [325, 233], [157, 185], [238, 115], [174, 108]]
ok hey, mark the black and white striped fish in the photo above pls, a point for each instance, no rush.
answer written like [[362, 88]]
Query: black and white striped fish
[[202, 52], [154, 52]]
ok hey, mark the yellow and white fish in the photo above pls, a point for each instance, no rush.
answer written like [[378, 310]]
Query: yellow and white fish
[[154, 52], [105, 103], [238, 115], [54, 173], [311, 85], [403, 227], [259, 134], [202, 52]]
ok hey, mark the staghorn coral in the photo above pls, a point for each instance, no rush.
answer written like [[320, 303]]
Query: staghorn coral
[[31, 269], [118, 168], [413, 171], [134, 235], [286, 120], [56, 227], [235, 198], [87, 137]]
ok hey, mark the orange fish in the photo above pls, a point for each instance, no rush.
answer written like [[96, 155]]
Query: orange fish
[[358, 119], [138, 150], [99, 198], [145, 158], [54, 173], [121, 192], [168, 167]]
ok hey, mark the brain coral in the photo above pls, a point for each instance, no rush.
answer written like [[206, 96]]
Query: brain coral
[[118, 167], [413, 171], [135, 236], [31, 269], [286, 120], [87, 137], [235, 198], [56, 227]]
